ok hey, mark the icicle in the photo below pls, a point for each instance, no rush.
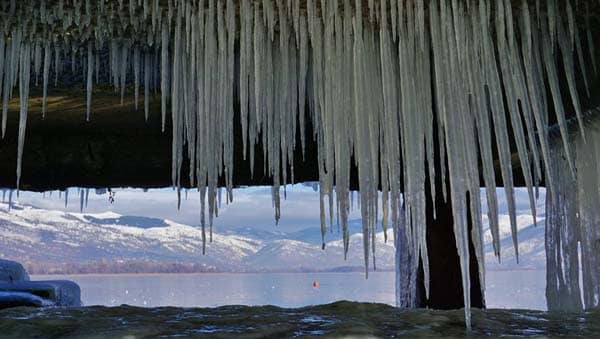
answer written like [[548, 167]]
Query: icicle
[[590, 38], [147, 73], [569, 66], [511, 70], [582, 65], [535, 92], [482, 119], [2, 59], [73, 60], [57, 65], [124, 62], [47, 58], [81, 200], [10, 200], [498, 114], [136, 75], [25, 66], [37, 62], [164, 66], [202, 218], [177, 103], [303, 54], [552, 14], [245, 50], [571, 23], [556, 96], [90, 74], [9, 68]]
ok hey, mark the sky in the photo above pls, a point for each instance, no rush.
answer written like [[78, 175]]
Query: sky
[[252, 207]]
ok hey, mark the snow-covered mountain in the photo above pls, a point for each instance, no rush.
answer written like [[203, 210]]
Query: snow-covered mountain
[[50, 238], [532, 253], [310, 234], [55, 238], [282, 254]]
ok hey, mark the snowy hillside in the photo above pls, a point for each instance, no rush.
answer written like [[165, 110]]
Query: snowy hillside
[[51, 238], [532, 254], [298, 255], [38, 236], [34, 235]]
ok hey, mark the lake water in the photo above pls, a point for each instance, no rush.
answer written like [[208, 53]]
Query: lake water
[[197, 309], [219, 289], [505, 289]]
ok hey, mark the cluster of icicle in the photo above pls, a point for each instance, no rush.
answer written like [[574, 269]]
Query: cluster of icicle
[[573, 225], [83, 193], [386, 86]]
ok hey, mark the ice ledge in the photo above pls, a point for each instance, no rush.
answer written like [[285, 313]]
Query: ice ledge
[[17, 290], [12, 271]]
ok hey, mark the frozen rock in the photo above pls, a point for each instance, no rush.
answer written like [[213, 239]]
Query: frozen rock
[[12, 271], [16, 299], [17, 290], [55, 292]]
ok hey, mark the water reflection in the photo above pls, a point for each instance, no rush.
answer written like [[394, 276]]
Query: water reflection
[[211, 290]]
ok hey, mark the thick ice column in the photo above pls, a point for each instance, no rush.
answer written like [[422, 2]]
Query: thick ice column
[[573, 227], [588, 171], [562, 236], [407, 263]]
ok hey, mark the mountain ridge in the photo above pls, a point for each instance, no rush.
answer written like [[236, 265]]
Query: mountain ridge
[[52, 241]]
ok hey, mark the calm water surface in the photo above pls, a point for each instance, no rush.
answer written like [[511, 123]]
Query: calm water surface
[[200, 311], [220, 289], [505, 289]]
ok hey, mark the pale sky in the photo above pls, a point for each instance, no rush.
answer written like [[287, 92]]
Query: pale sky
[[252, 207]]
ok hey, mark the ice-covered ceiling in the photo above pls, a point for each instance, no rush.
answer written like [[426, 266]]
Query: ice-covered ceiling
[[388, 86]]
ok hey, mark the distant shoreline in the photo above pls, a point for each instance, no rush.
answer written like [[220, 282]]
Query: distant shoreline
[[211, 272], [357, 270], [157, 267], [34, 276]]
